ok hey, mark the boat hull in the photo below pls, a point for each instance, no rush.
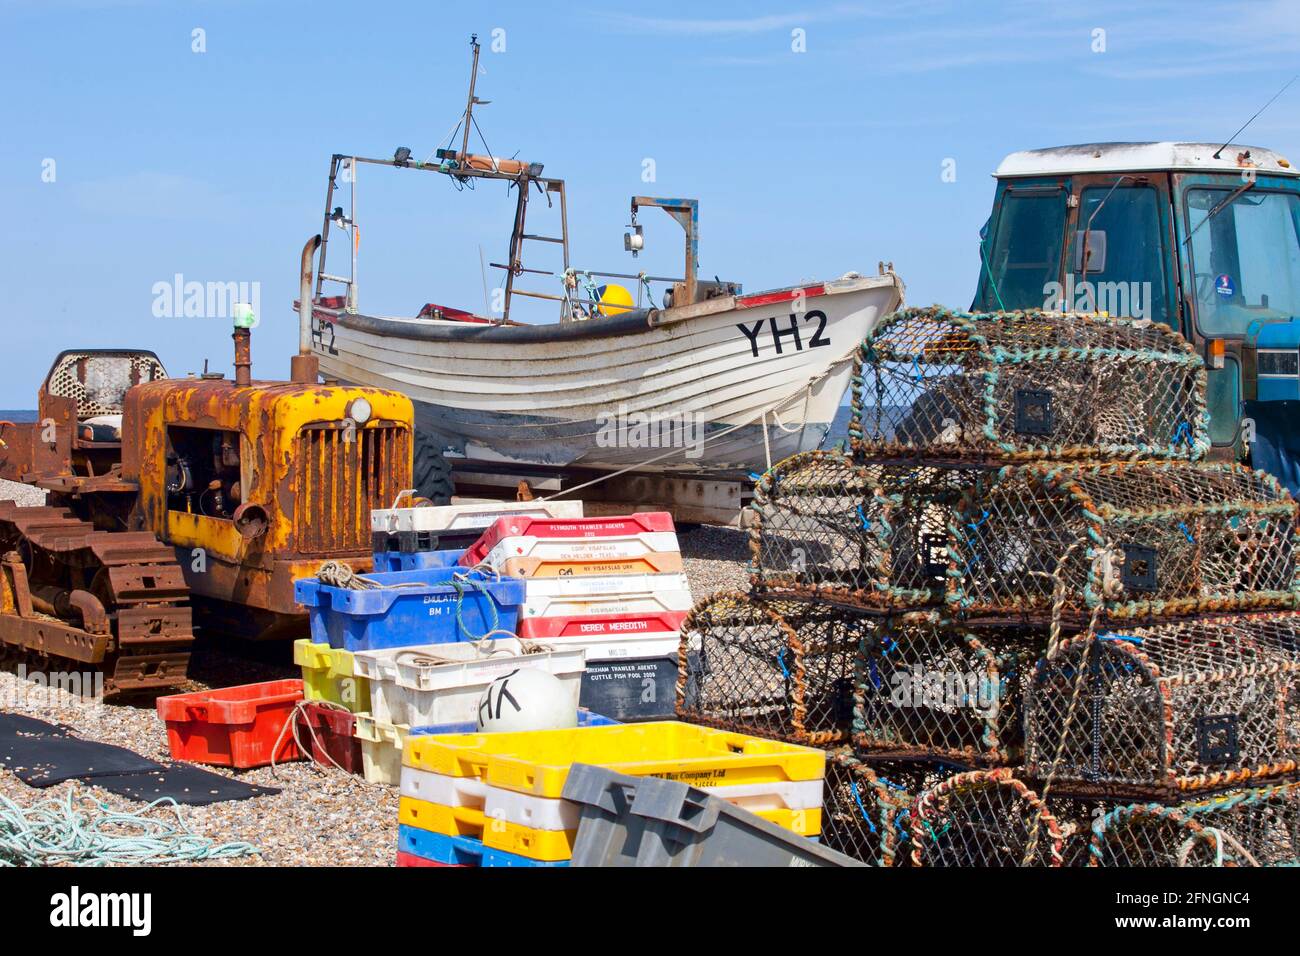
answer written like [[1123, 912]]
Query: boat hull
[[721, 387]]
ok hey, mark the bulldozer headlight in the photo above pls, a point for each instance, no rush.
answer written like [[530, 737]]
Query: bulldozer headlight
[[359, 410]]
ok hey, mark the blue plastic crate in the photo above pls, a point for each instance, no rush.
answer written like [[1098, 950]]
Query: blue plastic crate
[[412, 607], [585, 719], [465, 851], [419, 560]]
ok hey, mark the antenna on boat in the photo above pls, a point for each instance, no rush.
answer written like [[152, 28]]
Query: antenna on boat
[[469, 104], [1230, 138]]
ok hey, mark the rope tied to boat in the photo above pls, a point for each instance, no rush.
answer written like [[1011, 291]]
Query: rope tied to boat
[[63, 831]]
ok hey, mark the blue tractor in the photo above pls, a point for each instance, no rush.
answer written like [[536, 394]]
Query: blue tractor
[[1204, 238]]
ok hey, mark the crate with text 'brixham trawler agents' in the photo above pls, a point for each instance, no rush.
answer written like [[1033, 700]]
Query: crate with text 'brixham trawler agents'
[[631, 688], [1187, 705], [402, 533], [534, 547], [875, 535], [328, 674], [404, 608], [1019, 385], [442, 683], [1126, 540]]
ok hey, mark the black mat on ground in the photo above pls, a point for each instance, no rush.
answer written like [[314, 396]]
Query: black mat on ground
[[42, 760], [184, 783], [22, 724]]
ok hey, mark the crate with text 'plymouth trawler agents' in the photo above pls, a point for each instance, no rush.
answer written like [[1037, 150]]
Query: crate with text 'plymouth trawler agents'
[[404, 608], [442, 683], [535, 547], [405, 536]]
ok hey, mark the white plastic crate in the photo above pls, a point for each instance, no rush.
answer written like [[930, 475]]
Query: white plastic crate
[[465, 518], [381, 749], [442, 683], [552, 813], [553, 550], [615, 594]]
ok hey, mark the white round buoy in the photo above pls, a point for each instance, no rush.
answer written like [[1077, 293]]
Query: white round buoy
[[526, 699]]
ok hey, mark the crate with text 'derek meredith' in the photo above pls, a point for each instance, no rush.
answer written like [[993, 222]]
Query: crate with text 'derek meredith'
[[544, 547]]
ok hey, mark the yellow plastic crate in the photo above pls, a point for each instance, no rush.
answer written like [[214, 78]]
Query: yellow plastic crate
[[538, 761], [546, 845], [327, 674]]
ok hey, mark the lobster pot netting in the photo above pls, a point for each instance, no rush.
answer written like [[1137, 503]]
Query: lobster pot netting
[[1026, 385], [929, 688], [874, 534], [866, 805], [984, 818], [778, 668], [1255, 827], [1179, 706], [1132, 540]]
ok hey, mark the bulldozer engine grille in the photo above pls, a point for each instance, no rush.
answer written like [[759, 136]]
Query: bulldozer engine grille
[[98, 383], [1021, 385], [343, 473]]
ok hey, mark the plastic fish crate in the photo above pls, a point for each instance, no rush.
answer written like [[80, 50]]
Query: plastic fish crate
[[458, 851], [410, 607], [585, 719], [648, 562], [328, 674], [543, 828], [537, 762], [631, 688], [234, 726], [331, 736], [423, 528], [606, 595], [638, 821], [416, 560], [609, 636], [442, 683], [410, 859], [1017, 385], [557, 542], [381, 749]]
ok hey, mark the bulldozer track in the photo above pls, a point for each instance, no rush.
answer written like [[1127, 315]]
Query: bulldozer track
[[114, 601]]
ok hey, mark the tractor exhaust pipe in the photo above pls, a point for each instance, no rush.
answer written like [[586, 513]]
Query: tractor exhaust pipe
[[305, 366]]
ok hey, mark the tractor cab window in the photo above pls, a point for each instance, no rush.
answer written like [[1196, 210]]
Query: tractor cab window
[[1126, 275], [203, 474], [1022, 257], [1245, 257]]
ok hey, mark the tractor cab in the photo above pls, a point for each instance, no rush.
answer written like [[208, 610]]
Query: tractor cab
[[1203, 238]]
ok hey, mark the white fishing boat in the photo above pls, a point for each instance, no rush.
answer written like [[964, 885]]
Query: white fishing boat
[[706, 382]]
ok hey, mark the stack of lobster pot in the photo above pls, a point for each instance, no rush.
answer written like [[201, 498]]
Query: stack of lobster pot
[[1032, 623]]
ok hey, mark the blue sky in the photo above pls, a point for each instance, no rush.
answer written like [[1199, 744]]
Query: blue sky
[[806, 164]]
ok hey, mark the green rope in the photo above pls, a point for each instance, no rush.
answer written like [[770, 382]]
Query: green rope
[[57, 831], [458, 582]]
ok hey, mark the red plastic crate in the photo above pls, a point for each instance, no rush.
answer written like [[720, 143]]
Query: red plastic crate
[[648, 624], [410, 859], [233, 726], [570, 528], [329, 733]]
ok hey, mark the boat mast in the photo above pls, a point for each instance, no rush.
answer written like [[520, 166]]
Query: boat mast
[[469, 104]]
